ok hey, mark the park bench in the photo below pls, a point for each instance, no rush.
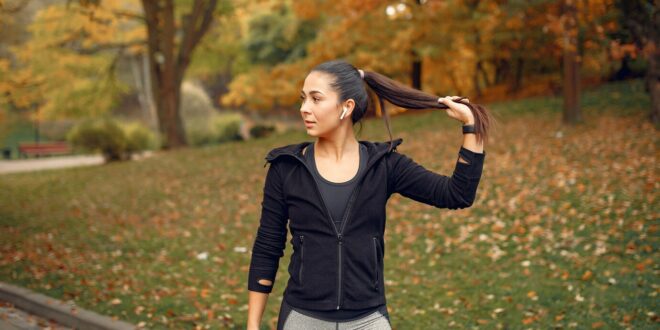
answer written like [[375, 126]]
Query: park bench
[[43, 148]]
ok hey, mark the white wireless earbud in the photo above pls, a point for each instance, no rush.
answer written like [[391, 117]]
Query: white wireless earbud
[[343, 113]]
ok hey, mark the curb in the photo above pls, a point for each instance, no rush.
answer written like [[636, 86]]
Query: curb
[[67, 314]]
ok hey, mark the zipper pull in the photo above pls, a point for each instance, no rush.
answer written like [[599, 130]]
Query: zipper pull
[[340, 238]]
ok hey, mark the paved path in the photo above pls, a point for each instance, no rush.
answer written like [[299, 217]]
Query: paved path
[[44, 163], [32, 303], [12, 318]]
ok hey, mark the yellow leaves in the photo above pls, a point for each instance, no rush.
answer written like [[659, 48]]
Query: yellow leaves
[[514, 23], [306, 9], [52, 75], [230, 298], [482, 321], [642, 265], [261, 88], [587, 275], [204, 293], [529, 320], [532, 295]]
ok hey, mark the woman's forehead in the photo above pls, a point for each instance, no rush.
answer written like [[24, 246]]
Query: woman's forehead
[[319, 82]]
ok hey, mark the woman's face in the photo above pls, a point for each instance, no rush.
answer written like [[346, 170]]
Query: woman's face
[[320, 109]]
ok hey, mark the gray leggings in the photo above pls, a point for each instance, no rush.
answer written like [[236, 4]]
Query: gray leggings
[[290, 319]]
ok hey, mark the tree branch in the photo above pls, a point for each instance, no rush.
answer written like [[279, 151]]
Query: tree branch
[[5, 10], [112, 45], [196, 25], [129, 14]]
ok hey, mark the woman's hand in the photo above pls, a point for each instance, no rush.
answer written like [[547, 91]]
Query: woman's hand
[[458, 111]]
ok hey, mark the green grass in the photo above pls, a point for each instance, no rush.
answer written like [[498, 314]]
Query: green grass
[[563, 233]]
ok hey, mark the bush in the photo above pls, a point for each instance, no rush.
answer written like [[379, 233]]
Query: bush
[[139, 137], [103, 134], [217, 128], [261, 130], [114, 140], [226, 127], [198, 131]]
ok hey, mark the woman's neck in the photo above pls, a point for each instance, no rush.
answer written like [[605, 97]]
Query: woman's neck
[[336, 149]]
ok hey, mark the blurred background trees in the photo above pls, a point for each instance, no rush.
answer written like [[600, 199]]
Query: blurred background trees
[[64, 61]]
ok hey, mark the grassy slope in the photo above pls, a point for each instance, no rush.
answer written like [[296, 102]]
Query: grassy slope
[[563, 232]]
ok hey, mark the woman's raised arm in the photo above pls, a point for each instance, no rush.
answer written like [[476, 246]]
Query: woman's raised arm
[[414, 181]]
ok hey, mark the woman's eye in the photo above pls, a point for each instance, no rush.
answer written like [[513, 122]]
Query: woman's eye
[[315, 99]]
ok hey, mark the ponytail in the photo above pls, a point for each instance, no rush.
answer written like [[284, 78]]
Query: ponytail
[[414, 99], [349, 83]]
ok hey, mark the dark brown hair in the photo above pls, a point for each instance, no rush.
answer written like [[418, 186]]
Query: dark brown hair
[[349, 84]]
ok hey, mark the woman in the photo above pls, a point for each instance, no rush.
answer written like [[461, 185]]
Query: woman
[[334, 192]]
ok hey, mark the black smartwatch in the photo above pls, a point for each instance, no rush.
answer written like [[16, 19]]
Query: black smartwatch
[[469, 129]]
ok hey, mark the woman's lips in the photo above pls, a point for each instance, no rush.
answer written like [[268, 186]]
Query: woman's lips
[[309, 123]]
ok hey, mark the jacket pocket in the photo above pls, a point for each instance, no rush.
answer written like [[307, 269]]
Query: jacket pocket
[[302, 254], [376, 273]]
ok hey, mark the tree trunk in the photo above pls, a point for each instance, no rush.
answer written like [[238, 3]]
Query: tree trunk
[[416, 74], [475, 80], [572, 112], [502, 69], [518, 75], [653, 72], [167, 65], [653, 84]]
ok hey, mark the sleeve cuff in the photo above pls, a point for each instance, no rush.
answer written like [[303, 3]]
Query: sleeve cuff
[[474, 168], [254, 276], [471, 155], [255, 286]]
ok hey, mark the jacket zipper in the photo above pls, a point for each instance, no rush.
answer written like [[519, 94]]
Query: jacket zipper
[[302, 250], [327, 211], [343, 224], [376, 262], [339, 277]]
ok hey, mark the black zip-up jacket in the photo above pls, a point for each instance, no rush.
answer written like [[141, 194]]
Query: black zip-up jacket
[[333, 268]]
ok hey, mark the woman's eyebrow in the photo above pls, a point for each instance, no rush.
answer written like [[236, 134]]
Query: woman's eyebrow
[[312, 92]]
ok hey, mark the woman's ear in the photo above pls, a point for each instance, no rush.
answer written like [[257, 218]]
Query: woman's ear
[[350, 106]]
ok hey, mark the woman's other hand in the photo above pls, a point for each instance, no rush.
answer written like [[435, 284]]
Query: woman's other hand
[[458, 111]]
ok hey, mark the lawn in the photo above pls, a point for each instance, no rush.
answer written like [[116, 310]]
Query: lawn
[[563, 233]]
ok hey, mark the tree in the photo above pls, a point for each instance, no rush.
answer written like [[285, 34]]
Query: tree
[[572, 113], [87, 38], [168, 62], [640, 23]]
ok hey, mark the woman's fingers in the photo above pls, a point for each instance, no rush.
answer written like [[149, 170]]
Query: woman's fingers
[[456, 106], [453, 99]]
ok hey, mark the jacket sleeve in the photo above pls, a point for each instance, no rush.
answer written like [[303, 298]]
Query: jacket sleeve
[[270, 242], [416, 182]]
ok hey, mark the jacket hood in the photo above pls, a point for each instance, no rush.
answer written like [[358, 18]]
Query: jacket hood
[[374, 149]]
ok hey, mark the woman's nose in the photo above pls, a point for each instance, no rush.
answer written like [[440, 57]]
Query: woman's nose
[[304, 108]]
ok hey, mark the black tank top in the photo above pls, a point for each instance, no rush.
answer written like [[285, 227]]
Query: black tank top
[[335, 196]]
